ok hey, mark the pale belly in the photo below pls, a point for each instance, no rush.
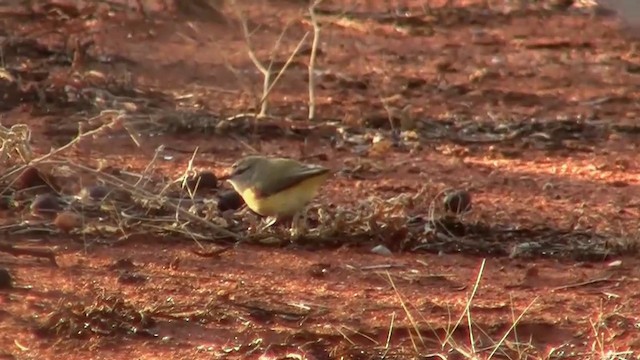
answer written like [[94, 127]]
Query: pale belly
[[287, 202]]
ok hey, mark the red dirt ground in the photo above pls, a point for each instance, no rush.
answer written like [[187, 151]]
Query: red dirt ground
[[461, 65]]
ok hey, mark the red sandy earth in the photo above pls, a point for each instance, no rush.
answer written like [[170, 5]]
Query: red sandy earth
[[556, 189]]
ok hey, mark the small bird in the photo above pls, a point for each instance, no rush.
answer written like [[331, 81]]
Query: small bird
[[276, 187]]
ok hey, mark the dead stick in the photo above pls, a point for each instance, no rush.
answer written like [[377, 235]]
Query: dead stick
[[212, 253], [36, 252], [77, 139], [584, 283], [135, 190]]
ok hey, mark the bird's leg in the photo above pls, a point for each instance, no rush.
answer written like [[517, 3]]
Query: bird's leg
[[303, 217], [633, 49], [275, 221], [298, 224], [294, 231]]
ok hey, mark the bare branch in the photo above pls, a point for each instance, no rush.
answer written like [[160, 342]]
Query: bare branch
[[312, 58], [267, 84]]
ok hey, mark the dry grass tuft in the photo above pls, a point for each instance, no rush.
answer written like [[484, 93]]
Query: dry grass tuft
[[106, 316]]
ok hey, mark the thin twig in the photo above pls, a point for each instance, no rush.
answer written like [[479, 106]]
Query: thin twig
[[286, 66], [118, 119], [583, 283], [45, 253], [267, 85], [468, 305], [112, 180], [312, 58], [147, 170], [212, 253], [512, 328], [409, 316]]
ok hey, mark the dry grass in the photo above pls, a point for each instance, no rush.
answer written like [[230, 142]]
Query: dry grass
[[151, 207]]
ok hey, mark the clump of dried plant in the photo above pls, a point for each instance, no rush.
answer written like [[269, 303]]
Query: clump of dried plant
[[105, 316]]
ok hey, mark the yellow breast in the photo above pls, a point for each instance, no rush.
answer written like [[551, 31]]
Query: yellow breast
[[286, 202]]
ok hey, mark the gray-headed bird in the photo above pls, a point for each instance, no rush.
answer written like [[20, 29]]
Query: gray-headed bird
[[279, 188]]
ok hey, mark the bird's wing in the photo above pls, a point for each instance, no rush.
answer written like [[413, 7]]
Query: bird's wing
[[267, 187]]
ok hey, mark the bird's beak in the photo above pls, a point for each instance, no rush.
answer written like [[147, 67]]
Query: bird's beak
[[226, 176]]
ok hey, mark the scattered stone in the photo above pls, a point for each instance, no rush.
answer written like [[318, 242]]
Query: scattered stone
[[204, 10], [31, 178], [67, 221], [457, 202], [525, 249], [561, 5], [381, 250], [175, 263], [95, 192], [271, 240], [548, 186], [99, 193], [7, 202], [319, 270], [615, 263], [132, 278], [47, 205], [229, 200], [532, 272], [619, 183], [122, 264], [202, 181], [6, 280]]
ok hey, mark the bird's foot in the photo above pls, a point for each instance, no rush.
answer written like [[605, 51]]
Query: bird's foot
[[270, 221], [275, 221], [298, 228]]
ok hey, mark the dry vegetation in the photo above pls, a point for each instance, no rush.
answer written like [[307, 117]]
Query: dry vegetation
[[484, 203]]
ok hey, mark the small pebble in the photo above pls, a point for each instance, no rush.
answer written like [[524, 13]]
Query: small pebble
[[457, 202], [46, 205], [124, 263], [95, 192], [202, 181], [67, 221], [229, 200], [271, 240], [7, 202], [548, 186], [615, 263], [532, 272], [99, 193], [30, 178], [319, 270], [381, 250], [6, 280], [132, 278]]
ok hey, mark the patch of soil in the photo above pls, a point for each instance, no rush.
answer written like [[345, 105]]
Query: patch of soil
[[529, 108]]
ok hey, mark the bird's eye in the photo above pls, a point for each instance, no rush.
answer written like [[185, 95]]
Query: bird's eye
[[237, 169]]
